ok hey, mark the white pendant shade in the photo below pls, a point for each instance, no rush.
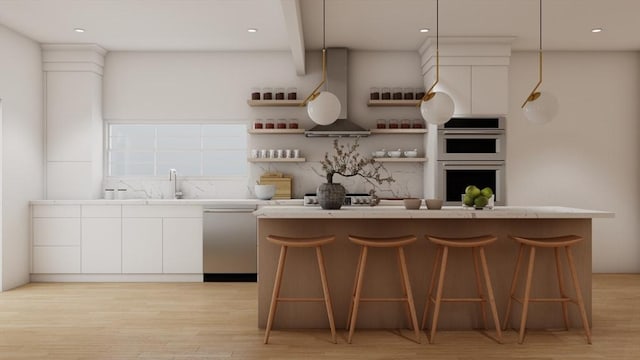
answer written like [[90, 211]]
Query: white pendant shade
[[324, 109], [438, 110], [541, 110]]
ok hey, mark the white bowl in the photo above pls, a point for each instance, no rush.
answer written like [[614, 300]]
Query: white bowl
[[379, 153], [394, 153], [264, 192], [411, 153]]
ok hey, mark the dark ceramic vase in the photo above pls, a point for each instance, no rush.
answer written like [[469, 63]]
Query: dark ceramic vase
[[330, 196]]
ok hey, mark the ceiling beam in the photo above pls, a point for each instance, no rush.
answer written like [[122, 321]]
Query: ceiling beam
[[293, 25]]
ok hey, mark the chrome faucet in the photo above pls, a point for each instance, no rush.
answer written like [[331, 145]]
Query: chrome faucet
[[173, 176]]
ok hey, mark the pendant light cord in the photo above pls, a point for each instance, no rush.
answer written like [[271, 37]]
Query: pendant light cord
[[540, 27], [437, 25], [324, 36], [534, 93], [315, 91]]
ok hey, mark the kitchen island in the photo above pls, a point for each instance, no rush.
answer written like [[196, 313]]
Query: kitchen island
[[381, 277]]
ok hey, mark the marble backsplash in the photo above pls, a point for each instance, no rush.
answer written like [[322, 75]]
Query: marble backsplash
[[306, 178]]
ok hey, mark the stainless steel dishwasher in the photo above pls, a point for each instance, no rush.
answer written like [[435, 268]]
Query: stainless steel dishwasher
[[230, 246]]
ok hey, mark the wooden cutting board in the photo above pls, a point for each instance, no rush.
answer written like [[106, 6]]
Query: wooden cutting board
[[282, 183]]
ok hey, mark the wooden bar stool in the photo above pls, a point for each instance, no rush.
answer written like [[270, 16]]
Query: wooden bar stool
[[476, 244], [391, 242], [555, 243], [285, 243]]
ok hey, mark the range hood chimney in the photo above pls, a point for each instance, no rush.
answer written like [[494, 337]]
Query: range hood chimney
[[337, 62]]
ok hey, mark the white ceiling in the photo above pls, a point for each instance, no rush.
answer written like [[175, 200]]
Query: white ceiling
[[221, 25]]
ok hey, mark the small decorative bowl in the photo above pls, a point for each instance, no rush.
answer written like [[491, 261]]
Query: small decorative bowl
[[264, 192], [394, 153], [411, 153], [412, 203], [433, 204], [379, 153]]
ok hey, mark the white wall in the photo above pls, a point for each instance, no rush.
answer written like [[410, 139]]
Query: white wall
[[22, 150], [214, 86], [589, 156]]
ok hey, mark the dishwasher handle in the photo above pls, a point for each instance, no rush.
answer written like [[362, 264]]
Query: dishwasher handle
[[231, 210]]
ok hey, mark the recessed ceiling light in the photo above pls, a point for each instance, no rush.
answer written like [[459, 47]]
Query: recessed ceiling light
[[596, 30], [252, 30], [78, 30], [424, 30]]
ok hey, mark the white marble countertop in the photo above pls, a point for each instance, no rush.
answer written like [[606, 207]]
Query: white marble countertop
[[447, 212], [203, 202]]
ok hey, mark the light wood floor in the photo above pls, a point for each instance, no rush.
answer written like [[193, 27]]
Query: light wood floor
[[218, 321]]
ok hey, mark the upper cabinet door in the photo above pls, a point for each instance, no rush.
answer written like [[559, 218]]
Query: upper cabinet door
[[489, 90], [456, 81]]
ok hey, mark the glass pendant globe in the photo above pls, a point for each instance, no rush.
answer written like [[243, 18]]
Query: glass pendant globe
[[324, 109], [438, 110], [541, 110]]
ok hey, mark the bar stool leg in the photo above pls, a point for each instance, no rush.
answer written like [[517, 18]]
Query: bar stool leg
[[404, 291], [514, 283], [353, 291], [492, 300], [325, 290], [527, 293], [409, 294], [576, 284], [563, 293], [356, 301], [432, 283], [476, 269], [276, 292], [436, 310]]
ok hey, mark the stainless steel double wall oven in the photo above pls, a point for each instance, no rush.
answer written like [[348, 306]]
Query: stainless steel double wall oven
[[471, 151]]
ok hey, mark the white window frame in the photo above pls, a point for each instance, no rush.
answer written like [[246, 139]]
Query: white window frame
[[105, 148]]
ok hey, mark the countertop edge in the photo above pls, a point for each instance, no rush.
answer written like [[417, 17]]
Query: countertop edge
[[450, 212], [203, 202]]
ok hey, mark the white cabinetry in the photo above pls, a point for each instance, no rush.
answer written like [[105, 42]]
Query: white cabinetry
[[474, 72], [475, 90], [73, 119], [121, 241], [489, 90], [101, 246], [182, 245], [142, 245], [56, 239], [101, 239], [172, 235]]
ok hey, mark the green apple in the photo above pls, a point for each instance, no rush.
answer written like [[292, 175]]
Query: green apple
[[486, 192], [472, 191], [468, 200], [480, 201]]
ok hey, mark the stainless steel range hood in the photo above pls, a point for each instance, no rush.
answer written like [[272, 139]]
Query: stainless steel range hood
[[337, 62]]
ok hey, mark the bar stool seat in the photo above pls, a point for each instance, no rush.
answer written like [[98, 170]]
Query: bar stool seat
[[312, 242], [476, 244], [554, 243], [388, 242]]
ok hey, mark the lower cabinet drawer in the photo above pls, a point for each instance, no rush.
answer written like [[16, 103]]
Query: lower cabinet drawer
[[56, 259], [56, 231]]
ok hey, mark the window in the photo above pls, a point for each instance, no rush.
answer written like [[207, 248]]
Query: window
[[191, 149]]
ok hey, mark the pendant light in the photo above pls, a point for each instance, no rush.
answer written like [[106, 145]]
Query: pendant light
[[436, 107], [323, 107], [540, 107]]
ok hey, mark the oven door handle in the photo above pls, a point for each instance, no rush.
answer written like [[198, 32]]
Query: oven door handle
[[471, 164], [474, 132]]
